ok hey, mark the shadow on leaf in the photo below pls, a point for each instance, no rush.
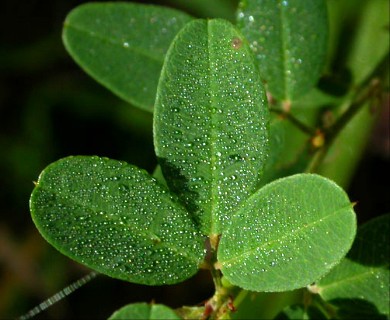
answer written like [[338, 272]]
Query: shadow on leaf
[[356, 309], [371, 245], [178, 183]]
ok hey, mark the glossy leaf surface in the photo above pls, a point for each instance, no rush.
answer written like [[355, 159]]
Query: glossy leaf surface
[[144, 311], [122, 45], [289, 39], [288, 234], [210, 122], [362, 278], [116, 219]]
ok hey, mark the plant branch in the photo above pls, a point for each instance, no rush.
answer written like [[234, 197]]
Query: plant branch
[[370, 89], [299, 124]]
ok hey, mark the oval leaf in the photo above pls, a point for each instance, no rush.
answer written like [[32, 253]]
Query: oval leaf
[[210, 121], [288, 234], [362, 278], [289, 39], [122, 45], [115, 218], [144, 311]]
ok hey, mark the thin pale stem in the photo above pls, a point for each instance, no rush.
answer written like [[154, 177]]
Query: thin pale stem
[[299, 124], [330, 134]]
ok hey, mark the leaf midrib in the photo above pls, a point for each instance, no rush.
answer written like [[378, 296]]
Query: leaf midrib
[[353, 278], [213, 139], [145, 235], [284, 53], [116, 42]]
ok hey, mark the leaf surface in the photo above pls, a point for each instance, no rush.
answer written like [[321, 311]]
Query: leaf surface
[[116, 219], [289, 39], [123, 45], [301, 311], [364, 273], [210, 121], [144, 311], [371, 40], [288, 234]]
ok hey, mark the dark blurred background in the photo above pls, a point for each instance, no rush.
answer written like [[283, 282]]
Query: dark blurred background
[[50, 109]]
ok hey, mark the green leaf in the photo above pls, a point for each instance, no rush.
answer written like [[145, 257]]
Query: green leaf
[[116, 219], [300, 312], [348, 147], [289, 39], [210, 124], [144, 311], [207, 9], [288, 234], [122, 45], [289, 148], [371, 42], [263, 305], [294, 312], [364, 274]]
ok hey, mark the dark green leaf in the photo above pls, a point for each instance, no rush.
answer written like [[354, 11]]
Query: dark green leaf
[[295, 312], [288, 234], [289, 150], [371, 42], [301, 312], [263, 305], [289, 39], [206, 8], [122, 45], [144, 311], [116, 219], [211, 121], [364, 274]]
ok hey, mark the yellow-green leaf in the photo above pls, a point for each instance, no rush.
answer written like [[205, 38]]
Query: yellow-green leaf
[[288, 234], [144, 311]]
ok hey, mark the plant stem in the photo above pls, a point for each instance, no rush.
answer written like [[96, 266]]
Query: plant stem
[[299, 124], [220, 304], [369, 89], [330, 134]]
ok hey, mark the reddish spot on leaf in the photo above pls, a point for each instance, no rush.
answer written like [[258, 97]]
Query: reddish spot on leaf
[[236, 43]]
